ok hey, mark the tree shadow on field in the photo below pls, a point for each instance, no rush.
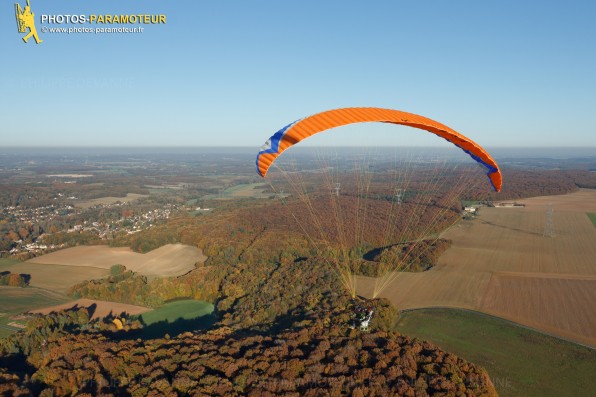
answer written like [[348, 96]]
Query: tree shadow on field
[[161, 328], [90, 309], [26, 278], [373, 253]]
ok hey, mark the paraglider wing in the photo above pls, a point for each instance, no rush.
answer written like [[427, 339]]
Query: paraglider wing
[[302, 129]]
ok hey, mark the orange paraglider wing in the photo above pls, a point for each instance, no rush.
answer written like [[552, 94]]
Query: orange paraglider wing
[[302, 129]]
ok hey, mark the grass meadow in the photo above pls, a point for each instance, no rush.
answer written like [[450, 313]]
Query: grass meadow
[[187, 309], [176, 317], [520, 361]]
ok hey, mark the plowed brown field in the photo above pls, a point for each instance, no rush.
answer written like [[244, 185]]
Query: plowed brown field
[[501, 264]]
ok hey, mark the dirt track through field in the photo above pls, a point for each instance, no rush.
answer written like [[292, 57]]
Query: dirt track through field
[[501, 264]]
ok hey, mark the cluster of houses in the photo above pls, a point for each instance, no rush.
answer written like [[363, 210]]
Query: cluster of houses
[[38, 214], [103, 229], [34, 248]]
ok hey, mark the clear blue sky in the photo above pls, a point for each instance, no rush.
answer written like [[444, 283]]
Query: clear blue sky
[[505, 73]]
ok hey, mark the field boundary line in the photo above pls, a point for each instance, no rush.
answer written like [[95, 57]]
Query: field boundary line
[[499, 318]]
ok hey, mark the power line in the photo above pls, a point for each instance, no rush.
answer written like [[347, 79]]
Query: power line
[[336, 188], [398, 194], [549, 224]]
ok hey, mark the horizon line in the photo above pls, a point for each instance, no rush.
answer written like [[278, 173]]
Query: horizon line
[[257, 146]]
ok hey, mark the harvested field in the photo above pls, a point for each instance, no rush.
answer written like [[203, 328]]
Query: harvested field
[[558, 304], [167, 261], [581, 201], [58, 278], [501, 263], [100, 308], [107, 200]]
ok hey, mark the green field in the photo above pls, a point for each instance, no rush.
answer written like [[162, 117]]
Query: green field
[[176, 317], [243, 190], [15, 300], [467, 203], [7, 262], [592, 216], [182, 309], [521, 362]]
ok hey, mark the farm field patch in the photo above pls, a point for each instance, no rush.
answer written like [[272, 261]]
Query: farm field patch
[[592, 216], [183, 309], [166, 261], [107, 200], [502, 263], [57, 278], [99, 308], [17, 300], [521, 362], [7, 262], [176, 317], [244, 190]]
